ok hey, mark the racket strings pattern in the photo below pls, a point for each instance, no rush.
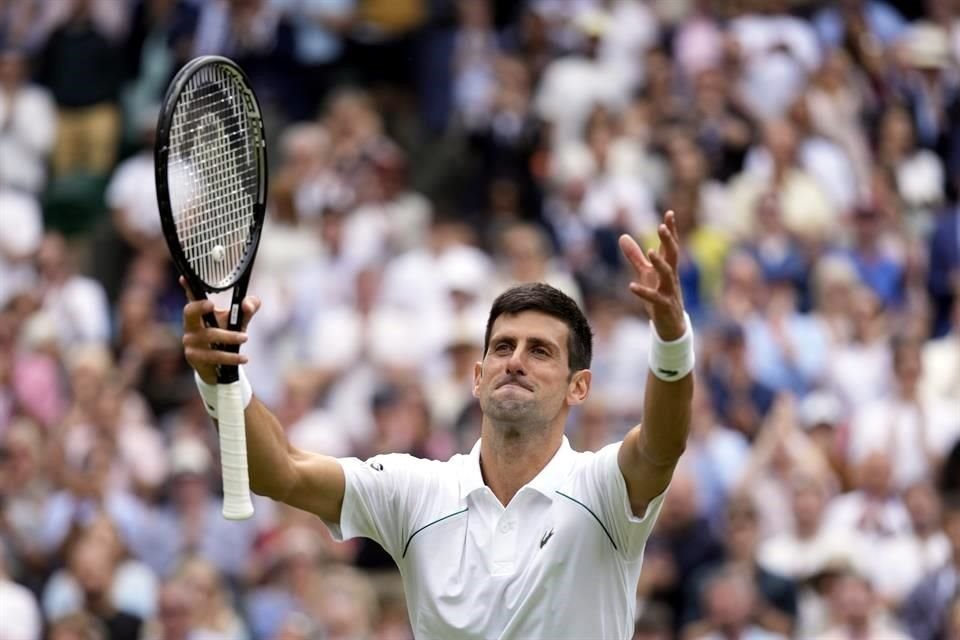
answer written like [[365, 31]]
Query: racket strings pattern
[[213, 175]]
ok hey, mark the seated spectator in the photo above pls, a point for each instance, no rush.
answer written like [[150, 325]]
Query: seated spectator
[[213, 612], [926, 611], [77, 303], [916, 432], [775, 606], [132, 588], [20, 238], [93, 566], [19, 614], [729, 602], [806, 211], [857, 612], [876, 261]]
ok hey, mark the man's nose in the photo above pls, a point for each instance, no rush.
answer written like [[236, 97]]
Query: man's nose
[[515, 363]]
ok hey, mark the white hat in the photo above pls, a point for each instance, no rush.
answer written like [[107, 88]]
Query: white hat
[[592, 23], [820, 407], [189, 456], [464, 269], [927, 46]]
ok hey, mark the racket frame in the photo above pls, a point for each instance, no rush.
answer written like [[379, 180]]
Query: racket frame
[[236, 506]]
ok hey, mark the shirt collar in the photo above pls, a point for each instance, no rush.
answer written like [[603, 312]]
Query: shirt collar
[[546, 482]]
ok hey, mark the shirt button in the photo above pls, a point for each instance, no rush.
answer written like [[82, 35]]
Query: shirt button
[[504, 527]]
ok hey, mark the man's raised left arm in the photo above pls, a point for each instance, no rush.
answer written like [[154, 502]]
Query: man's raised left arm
[[650, 450]]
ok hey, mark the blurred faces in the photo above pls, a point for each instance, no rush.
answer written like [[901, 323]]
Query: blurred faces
[[874, 475], [12, 69], [92, 564], [525, 248], [780, 138], [809, 501], [852, 599], [729, 599]]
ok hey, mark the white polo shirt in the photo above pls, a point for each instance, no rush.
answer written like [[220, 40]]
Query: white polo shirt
[[562, 560]]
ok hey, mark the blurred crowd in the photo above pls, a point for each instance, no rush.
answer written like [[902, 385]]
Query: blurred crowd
[[425, 154]]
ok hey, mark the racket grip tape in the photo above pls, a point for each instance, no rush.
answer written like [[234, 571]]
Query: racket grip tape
[[237, 504]]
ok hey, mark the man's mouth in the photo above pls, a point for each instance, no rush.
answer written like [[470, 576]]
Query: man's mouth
[[514, 383]]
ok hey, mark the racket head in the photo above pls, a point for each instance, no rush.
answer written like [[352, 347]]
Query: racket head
[[211, 173]]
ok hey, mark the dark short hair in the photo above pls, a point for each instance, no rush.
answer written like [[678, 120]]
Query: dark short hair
[[539, 296]]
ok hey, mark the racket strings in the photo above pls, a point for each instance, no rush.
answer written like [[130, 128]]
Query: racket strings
[[213, 174]]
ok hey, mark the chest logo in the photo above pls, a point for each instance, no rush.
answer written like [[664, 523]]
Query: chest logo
[[546, 538]]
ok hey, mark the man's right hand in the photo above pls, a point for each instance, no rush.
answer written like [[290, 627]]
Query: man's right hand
[[198, 339]]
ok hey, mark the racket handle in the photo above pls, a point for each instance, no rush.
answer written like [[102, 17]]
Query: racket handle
[[237, 504]]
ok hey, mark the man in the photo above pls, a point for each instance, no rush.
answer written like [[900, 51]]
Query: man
[[523, 537], [926, 611]]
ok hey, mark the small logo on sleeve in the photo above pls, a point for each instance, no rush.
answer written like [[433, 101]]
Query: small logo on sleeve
[[376, 466], [546, 538], [670, 373]]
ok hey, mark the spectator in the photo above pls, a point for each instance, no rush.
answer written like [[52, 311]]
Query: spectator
[[192, 523], [78, 626], [20, 238], [914, 431], [93, 568], [213, 612], [320, 27], [926, 610], [875, 19], [941, 363], [80, 63], [573, 85], [775, 606], [76, 303], [131, 197], [20, 619], [943, 280], [729, 600], [805, 208], [28, 124], [856, 612], [174, 619]]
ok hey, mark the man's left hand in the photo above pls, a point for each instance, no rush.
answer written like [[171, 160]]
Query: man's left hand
[[657, 283]]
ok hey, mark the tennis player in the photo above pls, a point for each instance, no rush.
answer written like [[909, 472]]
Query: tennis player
[[522, 538]]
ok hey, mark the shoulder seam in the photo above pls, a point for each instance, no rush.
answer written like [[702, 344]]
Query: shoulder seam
[[595, 517], [429, 524]]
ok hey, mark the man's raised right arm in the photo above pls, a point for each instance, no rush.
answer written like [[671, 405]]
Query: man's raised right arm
[[302, 479]]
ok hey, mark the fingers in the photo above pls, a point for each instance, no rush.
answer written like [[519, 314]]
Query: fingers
[[208, 336], [205, 356], [634, 254], [669, 239], [201, 355], [250, 306], [666, 272], [193, 313], [186, 288], [648, 294]]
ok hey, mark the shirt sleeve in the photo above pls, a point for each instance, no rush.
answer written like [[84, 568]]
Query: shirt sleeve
[[380, 497], [607, 489]]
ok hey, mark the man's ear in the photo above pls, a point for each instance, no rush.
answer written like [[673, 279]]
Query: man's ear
[[477, 375], [579, 387]]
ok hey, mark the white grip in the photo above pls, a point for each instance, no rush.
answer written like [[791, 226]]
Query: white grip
[[237, 504]]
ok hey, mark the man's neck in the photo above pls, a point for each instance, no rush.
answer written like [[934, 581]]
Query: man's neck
[[509, 461]]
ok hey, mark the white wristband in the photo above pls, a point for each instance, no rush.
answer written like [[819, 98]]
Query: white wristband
[[671, 361], [209, 392]]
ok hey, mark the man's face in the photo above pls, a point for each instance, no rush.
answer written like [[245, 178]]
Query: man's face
[[524, 378]]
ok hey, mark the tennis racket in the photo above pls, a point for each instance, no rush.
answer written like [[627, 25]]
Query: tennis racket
[[211, 174]]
